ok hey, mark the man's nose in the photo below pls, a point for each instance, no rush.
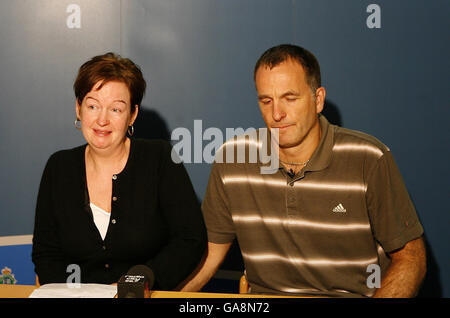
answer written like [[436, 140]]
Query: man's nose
[[278, 112]]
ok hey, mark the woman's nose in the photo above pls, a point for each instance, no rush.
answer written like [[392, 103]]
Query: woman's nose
[[102, 118]]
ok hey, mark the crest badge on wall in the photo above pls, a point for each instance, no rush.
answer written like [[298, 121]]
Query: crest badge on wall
[[7, 277]]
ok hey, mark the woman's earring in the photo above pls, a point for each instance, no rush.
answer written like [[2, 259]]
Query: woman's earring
[[76, 124], [132, 130]]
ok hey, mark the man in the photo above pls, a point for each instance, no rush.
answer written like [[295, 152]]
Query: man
[[335, 212]]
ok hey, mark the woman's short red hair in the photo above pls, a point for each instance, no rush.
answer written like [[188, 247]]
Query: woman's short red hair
[[106, 68]]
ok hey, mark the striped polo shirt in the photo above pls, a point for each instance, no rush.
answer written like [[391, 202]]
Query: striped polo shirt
[[317, 232]]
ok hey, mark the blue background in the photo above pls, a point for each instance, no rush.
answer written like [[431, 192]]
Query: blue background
[[198, 58]]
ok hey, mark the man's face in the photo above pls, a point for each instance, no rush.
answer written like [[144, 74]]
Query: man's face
[[287, 102]]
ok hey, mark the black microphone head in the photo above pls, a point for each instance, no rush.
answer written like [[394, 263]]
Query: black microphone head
[[138, 279], [143, 271]]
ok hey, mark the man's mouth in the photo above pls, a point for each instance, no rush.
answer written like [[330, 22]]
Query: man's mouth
[[281, 127]]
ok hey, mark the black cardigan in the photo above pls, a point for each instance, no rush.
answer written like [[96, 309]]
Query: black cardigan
[[155, 219]]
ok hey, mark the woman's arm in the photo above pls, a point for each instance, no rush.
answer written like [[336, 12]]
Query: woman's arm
[[46, 253], [181, 210]]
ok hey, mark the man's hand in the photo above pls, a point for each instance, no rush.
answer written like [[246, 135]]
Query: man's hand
[[207, 268]]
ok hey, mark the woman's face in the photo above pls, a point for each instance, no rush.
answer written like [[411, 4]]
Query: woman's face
[[105, 115]]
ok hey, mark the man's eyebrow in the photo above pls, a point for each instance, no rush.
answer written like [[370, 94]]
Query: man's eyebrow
[[290, 93], [263, 96]]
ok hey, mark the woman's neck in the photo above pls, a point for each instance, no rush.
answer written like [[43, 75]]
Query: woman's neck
[[108, 160]]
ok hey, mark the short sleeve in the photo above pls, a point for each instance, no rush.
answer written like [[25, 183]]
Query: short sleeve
[[392, 214], [218, 219]]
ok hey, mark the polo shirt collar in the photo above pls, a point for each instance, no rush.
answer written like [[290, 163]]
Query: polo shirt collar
[[321, 157]]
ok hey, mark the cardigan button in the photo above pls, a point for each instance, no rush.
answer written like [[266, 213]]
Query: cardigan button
[[106, 265], [114, 177], [114, 199], [113, 221]]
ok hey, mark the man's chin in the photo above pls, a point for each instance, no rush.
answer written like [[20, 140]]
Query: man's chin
[[286, 144]]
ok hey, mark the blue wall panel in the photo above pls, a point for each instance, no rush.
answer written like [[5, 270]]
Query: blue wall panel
[[17, 260], [198, 58]]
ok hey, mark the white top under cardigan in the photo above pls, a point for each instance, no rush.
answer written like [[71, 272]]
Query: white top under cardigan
[[101, 219]]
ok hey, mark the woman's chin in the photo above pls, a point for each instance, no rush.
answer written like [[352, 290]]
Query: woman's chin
[[99, 143]]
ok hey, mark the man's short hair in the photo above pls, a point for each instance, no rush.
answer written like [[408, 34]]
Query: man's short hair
[[278, 54]]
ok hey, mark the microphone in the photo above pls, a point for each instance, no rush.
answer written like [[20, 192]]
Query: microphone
[[291, 173], [133, 284]]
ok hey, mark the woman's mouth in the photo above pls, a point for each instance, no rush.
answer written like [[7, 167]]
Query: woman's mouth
[[102, 133]]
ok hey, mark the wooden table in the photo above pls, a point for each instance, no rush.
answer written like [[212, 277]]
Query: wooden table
[[16, 291], [23, 291]]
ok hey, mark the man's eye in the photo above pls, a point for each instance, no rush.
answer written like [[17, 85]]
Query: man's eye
[[92, 106], [265, 101]]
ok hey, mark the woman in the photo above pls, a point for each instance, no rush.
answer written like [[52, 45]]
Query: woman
[[115, 202]]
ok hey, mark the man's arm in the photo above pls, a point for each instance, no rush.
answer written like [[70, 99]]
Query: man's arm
[[215, 256], [406, 272]]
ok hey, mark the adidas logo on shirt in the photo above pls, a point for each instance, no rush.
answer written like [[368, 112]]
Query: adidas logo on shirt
[[339, 208]]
